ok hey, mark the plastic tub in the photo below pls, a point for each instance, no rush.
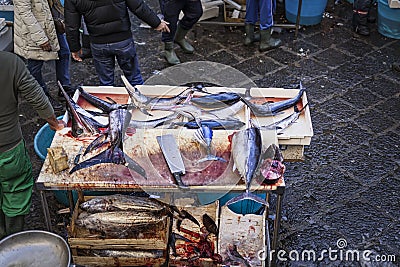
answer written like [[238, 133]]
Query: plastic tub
[[311, 11], [388, 20], [244, 206]]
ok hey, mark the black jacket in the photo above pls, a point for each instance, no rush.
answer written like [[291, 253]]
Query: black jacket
[[107, 21]]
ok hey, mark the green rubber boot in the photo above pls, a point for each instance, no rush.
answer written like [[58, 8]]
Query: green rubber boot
[[267, 42], [170, 54], [181, 40], [249, 30], [14, 224]]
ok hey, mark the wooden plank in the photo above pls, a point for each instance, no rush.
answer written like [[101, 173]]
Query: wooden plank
[[134, 244]]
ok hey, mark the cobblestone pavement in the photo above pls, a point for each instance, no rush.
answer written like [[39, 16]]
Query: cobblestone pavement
[[348, 185]]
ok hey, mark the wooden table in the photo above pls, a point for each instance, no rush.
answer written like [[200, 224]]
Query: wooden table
[[211, 177]]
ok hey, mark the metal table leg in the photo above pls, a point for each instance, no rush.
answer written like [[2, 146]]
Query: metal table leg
[[46, 212], [277, 222], [298, 17]]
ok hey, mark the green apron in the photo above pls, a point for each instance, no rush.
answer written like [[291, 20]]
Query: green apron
[[16, 181]]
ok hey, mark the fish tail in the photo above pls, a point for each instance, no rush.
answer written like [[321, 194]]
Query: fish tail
[[249, 196]]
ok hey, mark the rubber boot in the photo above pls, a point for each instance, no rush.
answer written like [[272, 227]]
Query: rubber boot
[[2, 225], [181, 40], [267, 42], [360, 24], [249, 30], [170, 55], [14, 224]]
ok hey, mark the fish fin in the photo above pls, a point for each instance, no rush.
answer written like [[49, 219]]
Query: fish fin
[[103, 157], [249, 196], [99, 141], [145, 112], [133, 165], [199, 136], [186, 215], [111, 100]]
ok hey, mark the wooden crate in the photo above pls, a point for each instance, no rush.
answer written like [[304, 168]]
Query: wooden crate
[[85, 245], [212, 210], [247, 232]]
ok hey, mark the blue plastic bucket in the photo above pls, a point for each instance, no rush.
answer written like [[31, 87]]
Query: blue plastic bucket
[[243, 207], [388, 20], [311, 11]]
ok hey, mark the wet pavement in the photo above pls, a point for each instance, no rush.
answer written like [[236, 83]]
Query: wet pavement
[[345, 194]]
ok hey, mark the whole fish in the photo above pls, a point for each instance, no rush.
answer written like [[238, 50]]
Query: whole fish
[[204, 136], [99, 103], [145, 103], [117, 223], [284, 123], [271, 109], [153, 123], [118, 118], [216, 100], [246, 154], [118, 202], [221, 124], [81, 126]]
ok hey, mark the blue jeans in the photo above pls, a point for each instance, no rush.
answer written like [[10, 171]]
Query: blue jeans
[[263, 9], [62, 65], [104, 61]]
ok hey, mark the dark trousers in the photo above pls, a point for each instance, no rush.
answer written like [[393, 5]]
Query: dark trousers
[[362, 5], [191, 9]]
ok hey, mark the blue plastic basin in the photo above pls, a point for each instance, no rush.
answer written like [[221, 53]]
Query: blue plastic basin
[[244, 206], [311, 11]]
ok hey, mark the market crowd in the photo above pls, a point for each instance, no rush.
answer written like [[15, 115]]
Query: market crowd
[[47, 30]]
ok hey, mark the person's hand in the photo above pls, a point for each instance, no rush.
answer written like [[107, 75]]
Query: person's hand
[[76, 57], [163, 26], [46, 46], [55, 124]]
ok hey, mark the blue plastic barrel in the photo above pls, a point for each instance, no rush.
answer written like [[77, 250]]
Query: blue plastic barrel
[[388, 20], [311, 11]]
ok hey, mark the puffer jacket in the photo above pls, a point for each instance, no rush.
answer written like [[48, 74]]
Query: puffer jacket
[[107, 21], [33, 26]]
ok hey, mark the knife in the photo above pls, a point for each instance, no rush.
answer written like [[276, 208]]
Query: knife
[[173, 157]]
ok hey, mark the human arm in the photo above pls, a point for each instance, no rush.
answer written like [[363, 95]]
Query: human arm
[[73, 20], [54, 123], [145, 13]]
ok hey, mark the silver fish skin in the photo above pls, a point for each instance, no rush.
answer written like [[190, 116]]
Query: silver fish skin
[[246, 154], [153, 254], [149, 124], [271, 109], [104, 221], [144, 102], [284, 123], [118, 202]]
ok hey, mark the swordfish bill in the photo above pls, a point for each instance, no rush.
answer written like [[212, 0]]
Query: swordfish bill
[[246, 153]]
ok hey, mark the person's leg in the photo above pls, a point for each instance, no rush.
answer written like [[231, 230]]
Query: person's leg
[[360, 16], [192, 11], [35, 68], [16, 184], [266, 22], [250, 20], [62, 64], [104, 63], [170, 10], [125, 52]]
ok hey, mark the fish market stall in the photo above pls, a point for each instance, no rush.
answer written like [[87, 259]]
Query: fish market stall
[[172, 149]]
